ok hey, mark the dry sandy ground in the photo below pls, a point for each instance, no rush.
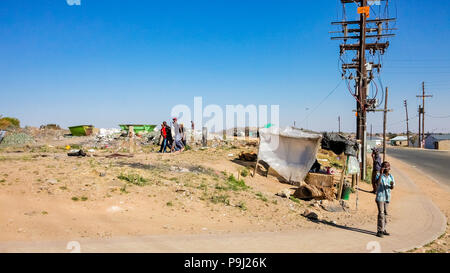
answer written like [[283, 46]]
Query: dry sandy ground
[[184, 194], [46, 195]]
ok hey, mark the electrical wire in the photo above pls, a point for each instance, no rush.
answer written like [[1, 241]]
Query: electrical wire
[[323, 100], [437, 116]]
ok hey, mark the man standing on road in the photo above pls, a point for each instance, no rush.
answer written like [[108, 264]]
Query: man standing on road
[[376, 168], [385, 183]]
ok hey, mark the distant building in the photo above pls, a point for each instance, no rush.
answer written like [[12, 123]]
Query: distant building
[[399, 141], [375, 142], [438, 142]]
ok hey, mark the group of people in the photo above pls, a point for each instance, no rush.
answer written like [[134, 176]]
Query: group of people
[[382, 184], [175, 142]]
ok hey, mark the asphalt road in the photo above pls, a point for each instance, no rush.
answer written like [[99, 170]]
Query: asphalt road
[[434, 163]]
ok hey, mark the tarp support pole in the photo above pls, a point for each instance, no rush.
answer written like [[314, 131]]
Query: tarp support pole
[[341, 183]]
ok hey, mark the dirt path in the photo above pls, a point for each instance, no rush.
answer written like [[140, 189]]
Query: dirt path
[[415, 221]]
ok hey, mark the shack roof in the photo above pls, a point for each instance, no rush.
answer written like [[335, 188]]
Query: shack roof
[[400, 138], [440, 137]]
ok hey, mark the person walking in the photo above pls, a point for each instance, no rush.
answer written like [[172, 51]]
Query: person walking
[[376, 168], [169, 137], [183, 134], [164, 137], [176, 130], [385, 183]]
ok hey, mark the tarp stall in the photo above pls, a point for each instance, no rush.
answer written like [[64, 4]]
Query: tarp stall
[[290, 151], [339, 144]]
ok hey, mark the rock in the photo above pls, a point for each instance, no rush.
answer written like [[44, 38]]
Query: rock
[[114, 209], [311, 215], [31, 213], [179, 169], [286, 193], [52, 181]]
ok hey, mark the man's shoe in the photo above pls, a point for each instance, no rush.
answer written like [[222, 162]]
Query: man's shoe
[[380, 234], [386, 233]]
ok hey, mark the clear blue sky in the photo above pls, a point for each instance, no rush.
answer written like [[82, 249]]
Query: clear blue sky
[[109, 62]]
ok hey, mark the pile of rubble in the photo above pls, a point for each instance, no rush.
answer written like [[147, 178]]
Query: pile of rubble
[[12, 139]]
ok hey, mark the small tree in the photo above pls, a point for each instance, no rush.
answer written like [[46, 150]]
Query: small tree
[[8, 122]]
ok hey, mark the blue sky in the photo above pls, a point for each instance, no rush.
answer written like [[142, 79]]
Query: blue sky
[[110, 62]]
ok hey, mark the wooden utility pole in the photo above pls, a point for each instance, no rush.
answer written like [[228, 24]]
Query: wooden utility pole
[[423, 96], [339, 124], [407, 120], [422, 113], [384, 124], [420, 127], [363, 70]]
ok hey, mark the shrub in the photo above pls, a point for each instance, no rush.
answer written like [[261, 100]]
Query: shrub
[[235, 184], [8, 122], [135, 179]]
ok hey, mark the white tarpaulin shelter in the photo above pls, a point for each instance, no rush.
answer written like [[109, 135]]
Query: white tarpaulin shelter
[[290, 152]]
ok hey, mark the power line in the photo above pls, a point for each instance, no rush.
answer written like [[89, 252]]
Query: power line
[[437, 116], [323, 100]]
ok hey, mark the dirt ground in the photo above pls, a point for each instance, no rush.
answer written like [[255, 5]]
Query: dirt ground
[[47, 195]]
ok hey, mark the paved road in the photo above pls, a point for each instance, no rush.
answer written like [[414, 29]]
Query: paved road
[[434, 163]]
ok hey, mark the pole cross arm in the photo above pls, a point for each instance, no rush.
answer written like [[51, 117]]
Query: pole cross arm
[[367, 21], [371, 46], [357, 37]]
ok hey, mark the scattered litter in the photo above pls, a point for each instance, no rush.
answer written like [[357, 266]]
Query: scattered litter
[[114, 209], [76, 153], [230, 155], [52, 181], [286, 193], [179, 169], [91, 150]]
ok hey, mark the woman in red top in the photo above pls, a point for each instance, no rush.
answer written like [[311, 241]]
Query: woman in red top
[[164, 137]]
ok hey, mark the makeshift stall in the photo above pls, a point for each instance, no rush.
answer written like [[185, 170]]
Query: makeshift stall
[[290, 151]]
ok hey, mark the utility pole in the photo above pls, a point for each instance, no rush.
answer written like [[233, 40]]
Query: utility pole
[[407, 120], [423, 96], [420, 126], [339, 126], [384, 123], [363, 70]]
